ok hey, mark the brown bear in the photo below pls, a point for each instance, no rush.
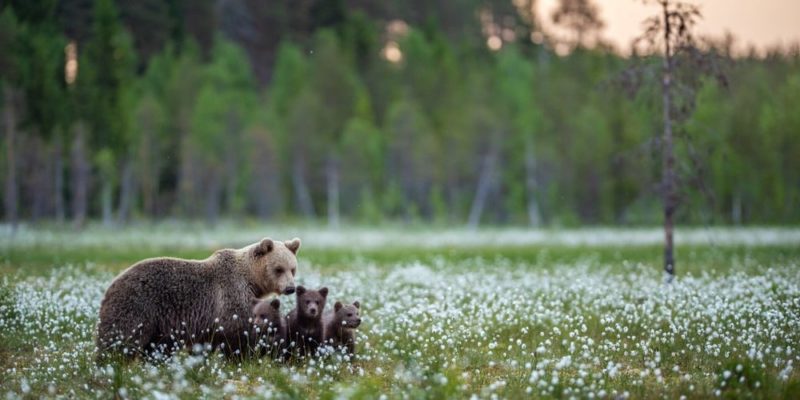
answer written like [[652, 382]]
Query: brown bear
[[340, 325], [269, 327], [304, 322], [162, 304]]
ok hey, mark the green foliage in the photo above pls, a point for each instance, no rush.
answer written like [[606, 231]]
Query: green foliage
[[224, 102], [107, 73], [106, 164], [334, 81], [289, 77], [42, 79], [10, 32], [516, 90], [406, 139], [412, 145], [362, 151], [7, 303], [438, 333]]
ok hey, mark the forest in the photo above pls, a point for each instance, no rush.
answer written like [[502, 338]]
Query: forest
[[461, 112]]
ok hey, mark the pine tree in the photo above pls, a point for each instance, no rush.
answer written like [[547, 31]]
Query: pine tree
[[105, 78]]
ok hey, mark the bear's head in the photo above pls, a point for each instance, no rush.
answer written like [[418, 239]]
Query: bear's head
[[311, 303], [348, 315], [267, 313], [274, 265]]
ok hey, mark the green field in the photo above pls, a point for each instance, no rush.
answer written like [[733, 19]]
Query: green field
[[451, 319]]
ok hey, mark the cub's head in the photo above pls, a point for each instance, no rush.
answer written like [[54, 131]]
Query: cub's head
[[274, 264], [348, 314], [267, 313], [310, 303]]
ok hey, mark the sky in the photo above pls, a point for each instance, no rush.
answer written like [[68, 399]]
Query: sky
[[759, 22]]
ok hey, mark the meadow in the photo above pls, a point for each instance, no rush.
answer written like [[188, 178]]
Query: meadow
[[448, 313]]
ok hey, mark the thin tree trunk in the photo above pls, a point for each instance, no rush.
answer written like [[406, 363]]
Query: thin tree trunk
[[452, 192], [668, 156], [107, 202], [213, 197], [187, 183], [485, 182], [410, 179], [264, 190], [36, 191], [233, 146], [58, 183], [534, 217], [736, 209], [259, 188], [230, 175], [332, 174], [79, 171], [273, 199], [301, 189], [148, 171], [12, 190], [127, 192]]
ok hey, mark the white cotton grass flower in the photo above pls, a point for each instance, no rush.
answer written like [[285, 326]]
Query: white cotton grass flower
[[176, 236], [580, 330]]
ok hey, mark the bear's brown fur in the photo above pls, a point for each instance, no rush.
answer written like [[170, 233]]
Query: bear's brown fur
[[161, 304], [269, 327], [304, 322], [340, 326]]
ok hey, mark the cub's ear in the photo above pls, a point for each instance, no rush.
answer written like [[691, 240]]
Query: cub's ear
[[293, 245], [265, 246], [324, 292], [357, 304], [275, 303], [338, 306], [300, 290]]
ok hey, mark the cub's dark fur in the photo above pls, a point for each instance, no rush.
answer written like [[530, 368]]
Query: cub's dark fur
[[340, 326], [269, 327], [304, 322]]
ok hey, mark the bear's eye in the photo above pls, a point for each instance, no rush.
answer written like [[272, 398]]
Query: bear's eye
[[279, 270], [350, 315], [293, 271], [263, 316]]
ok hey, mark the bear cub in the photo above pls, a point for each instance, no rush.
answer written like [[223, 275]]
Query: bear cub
[[340, 326], [270, 330], [304, 322]]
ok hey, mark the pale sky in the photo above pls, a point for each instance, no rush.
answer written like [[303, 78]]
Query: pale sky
[[759, 22]]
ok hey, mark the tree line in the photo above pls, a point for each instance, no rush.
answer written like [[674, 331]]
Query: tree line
[[209, 109]]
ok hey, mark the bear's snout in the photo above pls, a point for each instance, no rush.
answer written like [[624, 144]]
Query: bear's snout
[[288, 290]]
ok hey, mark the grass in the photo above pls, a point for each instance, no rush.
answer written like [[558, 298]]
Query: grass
[[444, 321]]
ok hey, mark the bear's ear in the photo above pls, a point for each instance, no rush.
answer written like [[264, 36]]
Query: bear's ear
[[275, 303], [265, 246], [293, 245], [300, 290], [324, 292], [338, 306], [357, 304]]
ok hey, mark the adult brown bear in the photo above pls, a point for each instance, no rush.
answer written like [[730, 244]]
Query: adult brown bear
[[159, 305]]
